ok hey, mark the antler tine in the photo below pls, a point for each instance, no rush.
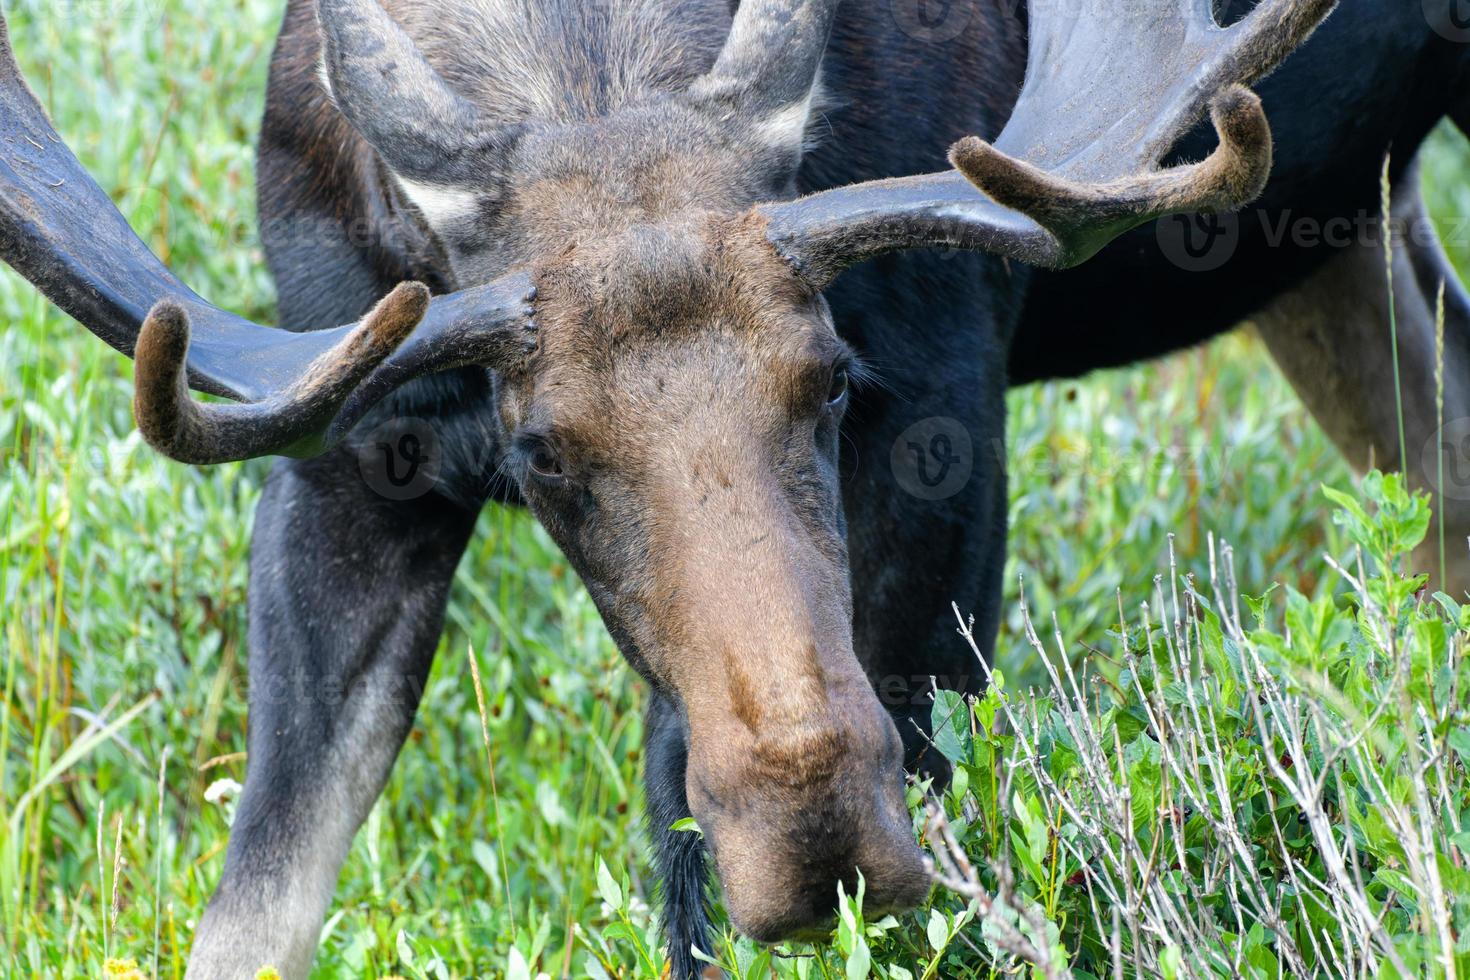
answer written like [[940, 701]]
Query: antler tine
[[1269, 33], [191, 432], [1112, 86]]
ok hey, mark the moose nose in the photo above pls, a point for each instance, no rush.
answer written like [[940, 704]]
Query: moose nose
[[790, 891], [781, 853]]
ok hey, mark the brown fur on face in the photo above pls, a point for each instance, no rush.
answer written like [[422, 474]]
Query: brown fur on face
[[682, 380]]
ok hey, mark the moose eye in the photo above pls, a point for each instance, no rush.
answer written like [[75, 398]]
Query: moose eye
[[544, 461], [840, 383]]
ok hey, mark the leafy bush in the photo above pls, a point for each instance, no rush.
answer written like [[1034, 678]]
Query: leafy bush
[[1279, 791]]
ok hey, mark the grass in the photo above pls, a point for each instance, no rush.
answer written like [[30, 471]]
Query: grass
[[123, 576]]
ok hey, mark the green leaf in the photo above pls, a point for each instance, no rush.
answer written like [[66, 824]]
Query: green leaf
[[959, 784], [549, 802], [950, 720], [1398, 882], [608, 888], [759, 967], [516, 967], [405, 949], [1170, 961], [859, 961], [1346, 502], [484, 856], [1459, 740], [938, 931]]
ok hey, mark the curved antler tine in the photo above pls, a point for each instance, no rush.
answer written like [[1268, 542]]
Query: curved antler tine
[[1264, 38], [192, 432], [1083, 216], [767, 70]]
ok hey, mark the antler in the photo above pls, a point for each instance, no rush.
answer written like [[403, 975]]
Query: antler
[[1111, 87], [304, 391]]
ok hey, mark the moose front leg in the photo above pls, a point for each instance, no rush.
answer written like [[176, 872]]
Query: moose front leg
[[347, 596]]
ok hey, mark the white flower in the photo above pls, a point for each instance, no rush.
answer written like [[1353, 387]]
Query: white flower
[[221, 790]]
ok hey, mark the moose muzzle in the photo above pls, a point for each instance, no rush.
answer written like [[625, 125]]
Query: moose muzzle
[[795, 770], [812, 801]]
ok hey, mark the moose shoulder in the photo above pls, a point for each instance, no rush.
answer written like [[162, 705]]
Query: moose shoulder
[[632, 217]]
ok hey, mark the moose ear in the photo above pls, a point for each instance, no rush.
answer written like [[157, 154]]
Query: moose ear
[[767, 72], [426, 133]]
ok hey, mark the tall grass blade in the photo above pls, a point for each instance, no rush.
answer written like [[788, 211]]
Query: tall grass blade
[[1386, 187], [494, 790], [1439, 508]]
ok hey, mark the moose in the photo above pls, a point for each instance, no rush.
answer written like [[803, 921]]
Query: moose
[[629, 264]]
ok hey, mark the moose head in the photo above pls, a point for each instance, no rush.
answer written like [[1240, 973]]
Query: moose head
[[647, 290]]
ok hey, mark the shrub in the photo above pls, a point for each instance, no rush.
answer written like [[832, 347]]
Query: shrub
[[1250, 787]]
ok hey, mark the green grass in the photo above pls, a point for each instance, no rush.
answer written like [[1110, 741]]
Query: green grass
[[123, 579]]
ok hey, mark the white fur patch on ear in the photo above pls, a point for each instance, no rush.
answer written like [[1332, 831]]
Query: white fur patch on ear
[[440, 204], [788, 127], [325, 77]]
